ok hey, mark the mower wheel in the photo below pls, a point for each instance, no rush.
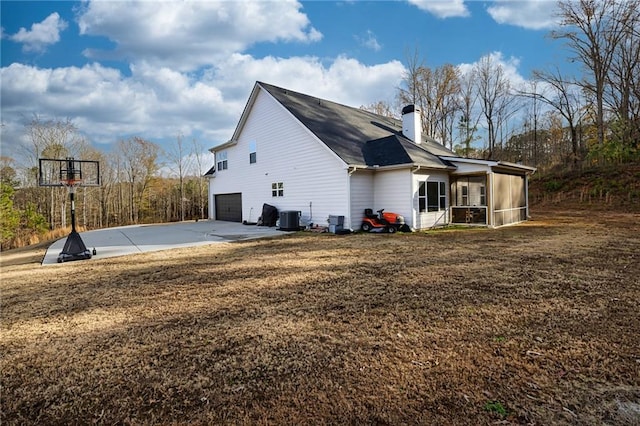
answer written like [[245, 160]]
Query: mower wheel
[[366, 227], [391, 229]]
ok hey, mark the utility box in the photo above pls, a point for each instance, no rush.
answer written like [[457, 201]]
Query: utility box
[[336, 224], [290, 220], [336, 220]]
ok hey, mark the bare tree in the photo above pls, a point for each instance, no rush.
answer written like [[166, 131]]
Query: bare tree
[[435, 92], [496, 98], [440, 88], [139, 158], [593, 30], [198, 155], [622, 94], [563, 95], [181, 162], [411, 94], [468, 122], [446, 105], [530, 151], [55, 139]]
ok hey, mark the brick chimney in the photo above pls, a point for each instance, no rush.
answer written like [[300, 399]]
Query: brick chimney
[[412, 123]]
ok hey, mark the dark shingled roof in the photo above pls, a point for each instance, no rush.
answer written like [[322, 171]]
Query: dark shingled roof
[[211, 171], [357, 136]]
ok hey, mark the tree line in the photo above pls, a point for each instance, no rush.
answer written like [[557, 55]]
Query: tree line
[[135, 187], [554, 119]]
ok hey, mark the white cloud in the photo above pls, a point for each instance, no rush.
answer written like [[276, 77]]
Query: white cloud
[[530, 14], [158, 103], [443, 8], [187, 35], [369, 41], [345, 80], [509, 67], [42, 34]]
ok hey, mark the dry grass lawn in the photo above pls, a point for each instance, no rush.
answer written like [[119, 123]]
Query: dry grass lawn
[[532, 324]]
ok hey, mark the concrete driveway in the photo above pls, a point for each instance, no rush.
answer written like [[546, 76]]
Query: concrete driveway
[[132, 239]]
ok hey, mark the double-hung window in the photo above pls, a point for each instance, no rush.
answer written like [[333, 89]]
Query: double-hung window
[[432, 196], [222, 160]]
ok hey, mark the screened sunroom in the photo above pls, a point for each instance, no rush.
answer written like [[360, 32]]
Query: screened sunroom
[[469, 200], [489, 193]]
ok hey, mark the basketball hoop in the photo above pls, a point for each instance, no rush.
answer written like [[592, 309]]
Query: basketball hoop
[[71, 174], [71, 184]]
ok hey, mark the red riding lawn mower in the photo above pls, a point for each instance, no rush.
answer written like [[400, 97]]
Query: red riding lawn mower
[[383, 222]]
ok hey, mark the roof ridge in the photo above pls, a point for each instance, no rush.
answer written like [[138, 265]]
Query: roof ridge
[[392, 120]]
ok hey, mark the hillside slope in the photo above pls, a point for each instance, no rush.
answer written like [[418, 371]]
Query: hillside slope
[[600, 188]]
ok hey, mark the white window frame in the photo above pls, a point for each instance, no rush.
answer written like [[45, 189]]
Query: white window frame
[[423, 200], [221, 161], [277, 189]]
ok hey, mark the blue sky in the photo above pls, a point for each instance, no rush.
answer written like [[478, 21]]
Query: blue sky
[[158, 69]]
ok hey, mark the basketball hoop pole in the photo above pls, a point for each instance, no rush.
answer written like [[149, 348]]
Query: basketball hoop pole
[[72, 191], [74, 248]]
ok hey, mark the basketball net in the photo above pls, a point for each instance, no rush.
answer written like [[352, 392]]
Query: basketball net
[[72, 184]]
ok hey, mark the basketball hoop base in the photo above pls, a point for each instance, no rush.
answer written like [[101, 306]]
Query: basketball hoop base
[[74, 249]]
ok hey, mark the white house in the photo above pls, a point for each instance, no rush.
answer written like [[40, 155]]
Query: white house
[[301, 153]]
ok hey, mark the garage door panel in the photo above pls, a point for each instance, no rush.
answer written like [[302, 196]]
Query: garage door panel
[[229, 207]]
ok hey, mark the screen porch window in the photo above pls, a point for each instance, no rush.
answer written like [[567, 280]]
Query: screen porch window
[[277, 189], [222, 160], [469, 199], [470, 191], [432, 196]]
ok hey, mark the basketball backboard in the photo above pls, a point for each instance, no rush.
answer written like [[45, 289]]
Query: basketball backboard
[[68, 172]]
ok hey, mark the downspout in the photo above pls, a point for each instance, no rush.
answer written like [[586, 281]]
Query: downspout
[[350, 171], [212, 206], [414, 213]]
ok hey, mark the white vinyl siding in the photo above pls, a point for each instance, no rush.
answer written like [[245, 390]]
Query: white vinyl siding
[[393, 193], [315, 180], [253, 155], [361, 196]]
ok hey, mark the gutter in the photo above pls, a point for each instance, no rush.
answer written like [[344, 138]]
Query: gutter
[[404, 166], [227, 144], [352, 169], [513, 166]]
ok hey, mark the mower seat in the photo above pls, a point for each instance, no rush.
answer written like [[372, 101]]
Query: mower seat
[[368, 213]]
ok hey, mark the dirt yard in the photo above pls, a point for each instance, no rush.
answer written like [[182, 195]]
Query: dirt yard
[[530, 324]]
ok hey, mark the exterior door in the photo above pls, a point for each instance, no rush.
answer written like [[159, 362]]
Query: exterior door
[[229, 207]]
